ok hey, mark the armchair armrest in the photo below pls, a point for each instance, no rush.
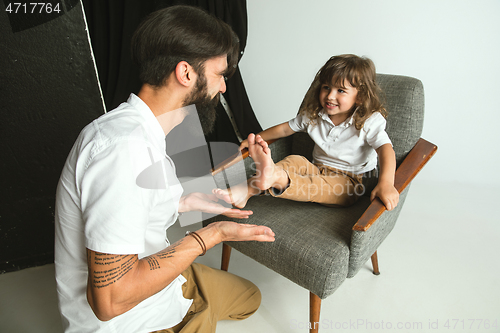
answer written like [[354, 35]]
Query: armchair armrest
[[409, 168]]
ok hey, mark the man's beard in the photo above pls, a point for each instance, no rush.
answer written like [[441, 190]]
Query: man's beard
[[205, 105]]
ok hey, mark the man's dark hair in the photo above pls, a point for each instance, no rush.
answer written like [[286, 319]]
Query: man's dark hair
[[181, 33]]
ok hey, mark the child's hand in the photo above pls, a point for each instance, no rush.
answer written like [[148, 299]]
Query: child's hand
[[243, 144], [387, 193]]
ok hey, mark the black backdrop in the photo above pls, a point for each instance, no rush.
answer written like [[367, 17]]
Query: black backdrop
[[49, 92], [111, 25]]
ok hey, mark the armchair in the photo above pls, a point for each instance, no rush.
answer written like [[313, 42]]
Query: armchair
[[318, 247]]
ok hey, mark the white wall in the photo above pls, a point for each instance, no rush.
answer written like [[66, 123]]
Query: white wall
[[453, 46]]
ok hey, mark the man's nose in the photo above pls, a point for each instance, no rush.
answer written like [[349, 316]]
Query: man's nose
[[223, 85]]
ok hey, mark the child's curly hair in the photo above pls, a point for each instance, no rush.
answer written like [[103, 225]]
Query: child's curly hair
[[359, 72]]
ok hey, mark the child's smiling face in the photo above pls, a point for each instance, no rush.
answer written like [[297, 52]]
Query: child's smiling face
[[338, 101]]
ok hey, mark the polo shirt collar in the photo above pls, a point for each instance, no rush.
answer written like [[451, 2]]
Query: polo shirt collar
[[348, 122]]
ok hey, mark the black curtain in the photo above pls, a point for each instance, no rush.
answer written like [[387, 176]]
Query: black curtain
[[111, 25], [48, 93]]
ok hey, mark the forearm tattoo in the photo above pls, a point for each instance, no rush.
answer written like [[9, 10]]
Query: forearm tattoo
[[107, 276], [104, 276], [164, 254], [169, 251], [153, 263]]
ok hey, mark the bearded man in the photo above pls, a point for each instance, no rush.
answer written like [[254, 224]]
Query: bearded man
[[115, 269]]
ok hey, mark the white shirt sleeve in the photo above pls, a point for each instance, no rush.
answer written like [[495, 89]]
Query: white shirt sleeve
[[374, 127], [114, 208], [299, 123]]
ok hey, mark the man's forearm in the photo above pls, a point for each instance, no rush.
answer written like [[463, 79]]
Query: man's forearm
[[118, 283]]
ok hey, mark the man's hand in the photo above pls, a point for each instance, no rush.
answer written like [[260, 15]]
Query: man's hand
[[387, 193], [207, 203], [231, 231]]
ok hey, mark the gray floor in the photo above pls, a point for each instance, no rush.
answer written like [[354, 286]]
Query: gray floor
[[439, 273]]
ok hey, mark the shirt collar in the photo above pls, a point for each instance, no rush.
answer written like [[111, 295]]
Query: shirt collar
[[151, 123], [348, 122]]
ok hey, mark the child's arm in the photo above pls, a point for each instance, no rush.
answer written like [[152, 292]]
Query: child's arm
[[385, 189], [275, 132]]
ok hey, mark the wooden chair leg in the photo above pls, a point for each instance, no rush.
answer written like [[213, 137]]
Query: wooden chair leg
[[226, 255], [314, 310], [375, 264]]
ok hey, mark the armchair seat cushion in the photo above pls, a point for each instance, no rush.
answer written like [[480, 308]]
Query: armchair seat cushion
[[312, 241]]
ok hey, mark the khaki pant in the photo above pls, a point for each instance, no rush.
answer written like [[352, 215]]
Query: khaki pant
[[217, 295], [319, 183]]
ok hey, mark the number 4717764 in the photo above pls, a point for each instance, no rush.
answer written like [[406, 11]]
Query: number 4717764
[[471, 324], [32, 8]]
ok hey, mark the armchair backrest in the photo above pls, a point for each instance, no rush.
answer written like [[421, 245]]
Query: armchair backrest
[[404, 100]]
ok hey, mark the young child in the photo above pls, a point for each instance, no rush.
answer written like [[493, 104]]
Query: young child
[[343, 115]]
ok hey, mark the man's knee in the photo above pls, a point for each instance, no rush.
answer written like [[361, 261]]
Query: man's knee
[[253, 298]]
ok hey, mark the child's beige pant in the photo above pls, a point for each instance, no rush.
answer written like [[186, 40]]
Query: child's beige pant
[[217, 295], [319, 183]]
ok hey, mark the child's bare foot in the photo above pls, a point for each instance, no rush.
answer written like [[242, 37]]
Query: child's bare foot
[[268, 175], [236, 195]]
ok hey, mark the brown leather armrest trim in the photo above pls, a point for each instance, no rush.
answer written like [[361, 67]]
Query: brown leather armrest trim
[[409, 168]]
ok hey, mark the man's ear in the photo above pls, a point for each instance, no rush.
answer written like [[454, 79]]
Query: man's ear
[[185, 74]]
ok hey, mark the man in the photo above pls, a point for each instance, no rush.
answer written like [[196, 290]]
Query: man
[[115, 270]]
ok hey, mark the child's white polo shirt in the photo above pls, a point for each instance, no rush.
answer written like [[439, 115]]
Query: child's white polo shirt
[[343, 146]]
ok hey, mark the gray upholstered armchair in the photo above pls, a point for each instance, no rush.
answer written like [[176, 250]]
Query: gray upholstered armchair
[[318, 247]]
